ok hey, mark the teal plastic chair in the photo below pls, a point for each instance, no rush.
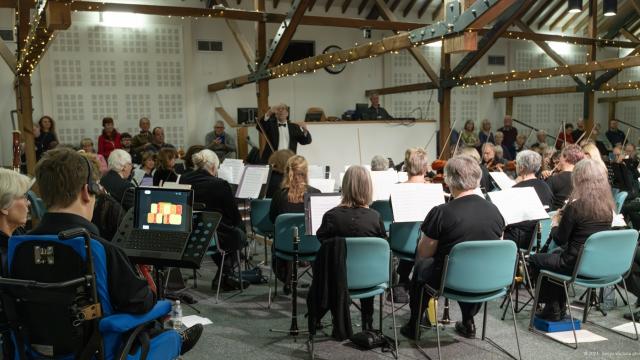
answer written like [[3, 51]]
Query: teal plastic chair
[[367, 263], [383, 207], [260, 222], [403, 239], [620, 197], [283, 243], [604, 260], [477, 272], [37, 205]]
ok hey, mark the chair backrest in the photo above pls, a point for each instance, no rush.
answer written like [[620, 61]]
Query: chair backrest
[[283, 237], [37, 205], [383, 207], [48, 259], [367, 262], [608, 254], [620, 197], [260, 221], [403, 237], [481, 266]]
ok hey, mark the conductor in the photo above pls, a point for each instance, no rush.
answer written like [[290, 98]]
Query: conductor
[[281, 133]]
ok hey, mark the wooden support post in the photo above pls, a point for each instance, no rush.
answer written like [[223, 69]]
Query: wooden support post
[[589, 94], [444, 98], [262, 86], [612, 111], [23, 90], [509, 107]]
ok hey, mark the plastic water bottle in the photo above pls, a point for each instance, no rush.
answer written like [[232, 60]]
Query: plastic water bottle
[[609, 300], [176, 315]]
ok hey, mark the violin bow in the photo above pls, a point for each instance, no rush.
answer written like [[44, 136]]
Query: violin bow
[[444, 146]]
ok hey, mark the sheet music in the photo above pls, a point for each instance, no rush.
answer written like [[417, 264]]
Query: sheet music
[[412, 202], [175, 185], [518, 204], [316, 208], [316, 172], [478, 192], [382, 182], [402, 176], [324, 185], [618, 221], [502, 180], [235, 167], [253, 178]]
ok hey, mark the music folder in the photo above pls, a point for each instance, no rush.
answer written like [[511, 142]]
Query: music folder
[[253, 183], [412, 202], [518, 204], [502, 180], [315, 206]]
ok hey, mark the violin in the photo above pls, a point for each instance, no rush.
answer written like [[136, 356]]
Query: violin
[[438, 165], [510, 165]]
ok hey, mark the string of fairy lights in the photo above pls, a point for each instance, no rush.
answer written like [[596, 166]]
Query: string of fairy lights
[[40, 37]]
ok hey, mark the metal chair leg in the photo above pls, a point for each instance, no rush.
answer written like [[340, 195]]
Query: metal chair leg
[[435, 303], [515, 328], [239, 270], [633, 320], [395, 330], [220, 277], [573, 325], [484, 320]]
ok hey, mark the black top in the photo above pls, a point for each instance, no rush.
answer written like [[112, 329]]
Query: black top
[[467, 218], [215, 194], [560, 185], [4, 250], [128, 292], [522, 232], [378, 113], [43, 143], [576, 134], [573, 231], [164, 175], [486, 182], [275, 181], [116, 186], [615, 136], [351, 222], [280, 203], [296, 136]]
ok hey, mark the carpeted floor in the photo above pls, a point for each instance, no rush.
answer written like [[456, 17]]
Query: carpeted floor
[[242, 322]]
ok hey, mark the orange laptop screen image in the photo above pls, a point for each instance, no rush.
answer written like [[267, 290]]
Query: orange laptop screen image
[[164, 213]]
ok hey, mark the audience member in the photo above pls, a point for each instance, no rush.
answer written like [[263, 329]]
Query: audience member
[[86, 145], [116, 181], [614, 135], [157, 140], [510, 133], [142, 141], [144, 175], [217, 196], [165, 172], [485, 135], [188, 158], [278, 161], [468, 135], [218, 140], [507, 153], [467, 217], [109, 140], [589, 209], [560, 183], [353, 218], [47, 138]]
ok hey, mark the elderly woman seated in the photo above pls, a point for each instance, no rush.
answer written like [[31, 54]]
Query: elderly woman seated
[[116, 180], [379, 163]]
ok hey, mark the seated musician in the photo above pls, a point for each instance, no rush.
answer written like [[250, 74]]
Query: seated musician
[[489, 158], [63, 177], [467, 217], [278, 161], [354, 218], [216, 195], [527, 165], [560, 183], [486, 183], [589, 209]]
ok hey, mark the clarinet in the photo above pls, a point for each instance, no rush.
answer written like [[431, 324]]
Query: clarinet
[[445, 315], [294, 284], [16, 151]]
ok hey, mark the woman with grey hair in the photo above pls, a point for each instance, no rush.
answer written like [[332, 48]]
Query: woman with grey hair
[[117, 180], [354, 218], [468, 217], [14, 205], [527, 166], [379, 163]]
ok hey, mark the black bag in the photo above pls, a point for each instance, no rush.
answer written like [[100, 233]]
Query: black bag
[[254, 276], [371, 339]]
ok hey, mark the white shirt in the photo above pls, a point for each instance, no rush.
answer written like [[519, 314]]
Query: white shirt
[[283, 138]]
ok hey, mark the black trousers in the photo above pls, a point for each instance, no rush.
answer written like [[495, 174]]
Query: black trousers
[[549, 292], [231, 240], [424, 272], [633, 281], [404, 270]]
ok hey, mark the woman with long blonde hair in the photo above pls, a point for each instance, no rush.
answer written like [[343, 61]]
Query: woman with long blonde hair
[[589, 209]]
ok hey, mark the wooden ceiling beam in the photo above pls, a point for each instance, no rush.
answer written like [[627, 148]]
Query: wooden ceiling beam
[[436, 13], [618, 99], [275, 3], [284, 34], [574, 18], [416, 53], [362, 5], [327, 6], [8, 56], [629, 85], [408, 8], [345, 5], [395, 4], [422, 9], [256, 16], [8, 4], [576, 40], [246, 49], [401, 89], [629, 35], [559, 16], [536, 13], [550, 13], [535, 92]]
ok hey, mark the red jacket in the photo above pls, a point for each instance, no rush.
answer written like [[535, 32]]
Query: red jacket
[[560, 141], [105, 147]]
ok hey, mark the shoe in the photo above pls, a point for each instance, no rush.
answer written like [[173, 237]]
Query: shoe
[[425, 321], [190, 337], [367, 324], [408, 330], [466, 329], [286, 289], [400, 295], [229, 283], [552, 312], [636, 315]]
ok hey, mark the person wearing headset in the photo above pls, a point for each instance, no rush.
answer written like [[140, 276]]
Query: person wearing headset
[[68, 190]]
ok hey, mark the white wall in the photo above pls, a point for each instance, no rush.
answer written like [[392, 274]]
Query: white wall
[[333, 93]]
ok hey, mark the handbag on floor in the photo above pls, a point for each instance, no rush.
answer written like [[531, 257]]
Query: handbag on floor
[[371, 339]]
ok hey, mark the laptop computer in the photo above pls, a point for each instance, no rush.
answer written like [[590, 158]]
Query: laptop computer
[[162, 221]]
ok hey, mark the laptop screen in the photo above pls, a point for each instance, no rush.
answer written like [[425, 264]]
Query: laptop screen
[[163, 209]]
